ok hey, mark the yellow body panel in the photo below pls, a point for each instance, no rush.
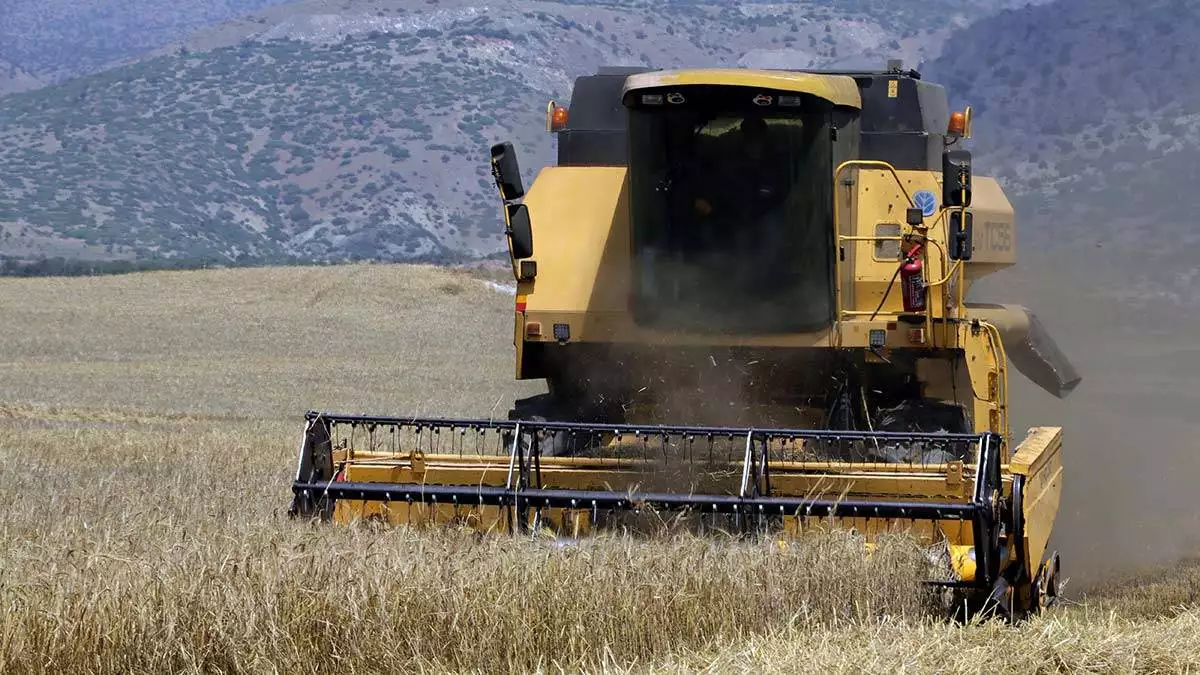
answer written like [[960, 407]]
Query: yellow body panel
[[995, 228], [1039, 459], [581, 225], [837, 89], [878, 201]]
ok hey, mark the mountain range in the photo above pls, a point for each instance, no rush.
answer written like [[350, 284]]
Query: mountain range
[[1089, 114], [322, 130], [54, 40], [329, 130]]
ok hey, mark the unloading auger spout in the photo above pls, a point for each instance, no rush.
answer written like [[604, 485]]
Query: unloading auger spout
[[1030, 347]]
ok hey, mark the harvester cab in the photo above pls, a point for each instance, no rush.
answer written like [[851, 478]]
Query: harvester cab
[[744, 290]]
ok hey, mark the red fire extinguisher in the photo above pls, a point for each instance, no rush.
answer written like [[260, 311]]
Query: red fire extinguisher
[[912, 281]]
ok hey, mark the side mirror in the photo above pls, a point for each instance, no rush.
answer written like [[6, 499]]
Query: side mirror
[[960, 235], [956, 178], [520, 232], [506, 172]]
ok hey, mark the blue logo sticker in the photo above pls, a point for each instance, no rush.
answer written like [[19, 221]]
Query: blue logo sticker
[[926, 201]]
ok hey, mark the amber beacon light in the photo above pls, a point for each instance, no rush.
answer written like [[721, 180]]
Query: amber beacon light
[[960, 124], [556, 117]]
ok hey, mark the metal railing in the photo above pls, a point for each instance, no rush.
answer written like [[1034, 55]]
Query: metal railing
[[948, 272]]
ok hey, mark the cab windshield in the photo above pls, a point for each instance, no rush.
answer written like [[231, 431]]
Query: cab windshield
[[732, 218]]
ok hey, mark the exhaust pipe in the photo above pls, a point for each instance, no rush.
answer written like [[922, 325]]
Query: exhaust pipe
[[1029, 346]]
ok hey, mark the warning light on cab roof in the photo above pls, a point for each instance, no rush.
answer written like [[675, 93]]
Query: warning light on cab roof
[[556, 117], [960, 124]]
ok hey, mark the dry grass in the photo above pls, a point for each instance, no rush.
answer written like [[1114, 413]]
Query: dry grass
[[1070, 644], [1153, 593], [161, 551], [147, 429], [262, 342], [130, 549]]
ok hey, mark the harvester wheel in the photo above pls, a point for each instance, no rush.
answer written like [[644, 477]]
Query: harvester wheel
[[542, 408], [550, 444], [1002, 601], [1045, 586]]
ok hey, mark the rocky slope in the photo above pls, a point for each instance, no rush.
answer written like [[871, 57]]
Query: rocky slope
[[56, 39], [14, 79], [329, 130], [1089, 110]]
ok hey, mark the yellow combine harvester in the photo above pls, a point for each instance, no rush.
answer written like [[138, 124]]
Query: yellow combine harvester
[[747, 303]]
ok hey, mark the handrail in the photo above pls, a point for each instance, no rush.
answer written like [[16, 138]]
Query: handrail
[[863, 163], [953, 269], [837, 224], [949, 271], [1001, 357]]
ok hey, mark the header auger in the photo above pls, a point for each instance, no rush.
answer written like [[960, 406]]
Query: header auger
[[747, 302]]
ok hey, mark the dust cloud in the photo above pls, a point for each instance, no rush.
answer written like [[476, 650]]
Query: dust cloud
[[1131, 456]]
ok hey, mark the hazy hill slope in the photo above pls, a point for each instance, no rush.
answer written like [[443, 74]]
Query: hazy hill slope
[[262, 150], [772, 30], [327, 130], [14, 79], [1095, 130], [53, 39], [59, 38]]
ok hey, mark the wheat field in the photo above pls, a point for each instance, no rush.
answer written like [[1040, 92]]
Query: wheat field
[[148, 425]]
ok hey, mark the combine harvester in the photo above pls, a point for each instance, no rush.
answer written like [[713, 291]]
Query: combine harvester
[[747, 303]]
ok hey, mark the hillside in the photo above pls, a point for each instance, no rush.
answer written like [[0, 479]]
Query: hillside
[[1095, 135], [57, 39], [260, 151], [317, 131], [14, 79], [321, 132]]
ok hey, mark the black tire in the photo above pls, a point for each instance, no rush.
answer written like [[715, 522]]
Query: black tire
[[543, 408]]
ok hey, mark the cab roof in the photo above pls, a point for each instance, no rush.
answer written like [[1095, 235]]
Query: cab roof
[[840, 90]]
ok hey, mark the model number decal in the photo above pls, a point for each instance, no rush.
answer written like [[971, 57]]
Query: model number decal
[[997, 236]]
